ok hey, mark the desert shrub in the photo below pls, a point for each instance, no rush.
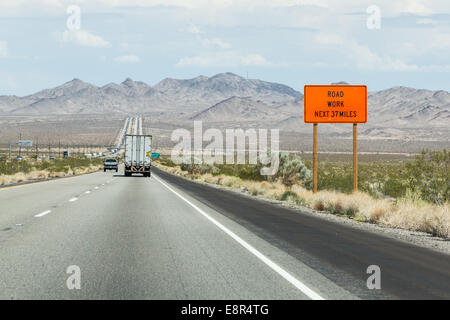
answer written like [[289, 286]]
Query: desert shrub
[[194, 168], [429, 175], [248, 172], [292, 171], [13, 166], [288, 195], [65, 165], [165, 162]]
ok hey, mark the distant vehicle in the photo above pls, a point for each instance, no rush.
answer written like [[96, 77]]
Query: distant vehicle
[[88, 155], [40, 158], [65, 154], [19, 158], [138, 154], [110, 164], [51, 157]]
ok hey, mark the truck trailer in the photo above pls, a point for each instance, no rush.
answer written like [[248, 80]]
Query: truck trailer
[[138, 154]]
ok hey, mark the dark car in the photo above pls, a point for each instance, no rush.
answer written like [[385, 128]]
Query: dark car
[[110, 164]]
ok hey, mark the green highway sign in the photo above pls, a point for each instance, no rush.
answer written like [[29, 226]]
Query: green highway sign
[[156, 155]]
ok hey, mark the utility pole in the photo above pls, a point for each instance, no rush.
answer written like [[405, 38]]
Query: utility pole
[[20, 147], [59, 148]]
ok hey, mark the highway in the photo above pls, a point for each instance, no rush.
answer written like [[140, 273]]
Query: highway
[[168, 238]]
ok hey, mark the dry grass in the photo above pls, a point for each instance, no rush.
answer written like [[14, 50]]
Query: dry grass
[[414, 214], [18, 177], [44, 174], [38, 175], [5, 180], [78, 171], [409, 212]]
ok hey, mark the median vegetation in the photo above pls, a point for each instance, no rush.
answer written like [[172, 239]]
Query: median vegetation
[[411, 195], [14, 171]]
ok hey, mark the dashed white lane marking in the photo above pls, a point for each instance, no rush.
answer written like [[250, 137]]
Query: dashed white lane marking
[[73, 199], [96, 188], [42, 213], [87, 192], [287, 276]]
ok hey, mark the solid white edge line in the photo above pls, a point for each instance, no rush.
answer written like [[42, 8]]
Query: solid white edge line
[[73, 199], [42, 213], [286, 275]]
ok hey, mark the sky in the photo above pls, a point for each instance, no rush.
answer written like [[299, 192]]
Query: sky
[[44, 43]]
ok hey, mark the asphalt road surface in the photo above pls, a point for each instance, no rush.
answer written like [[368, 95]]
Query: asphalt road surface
[[167, 238]]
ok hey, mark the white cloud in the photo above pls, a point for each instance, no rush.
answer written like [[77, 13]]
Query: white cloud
[[254, 60], [128, 59], [360, 55], [437, 40], [3, 48], [51, 6], [84, 38], [389, 7], [226, 31], [192, 28], [215, 42], [426, 21], [417, 7], [224, 59], [213, 4]]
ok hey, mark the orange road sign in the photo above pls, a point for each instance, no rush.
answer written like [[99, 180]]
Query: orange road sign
[[335, 104]]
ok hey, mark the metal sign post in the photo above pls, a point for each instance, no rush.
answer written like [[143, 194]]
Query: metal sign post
[[315, 127], [355, 157]]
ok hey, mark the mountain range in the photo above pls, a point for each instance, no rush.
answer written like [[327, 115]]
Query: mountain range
[[76, 96], [227, 97]]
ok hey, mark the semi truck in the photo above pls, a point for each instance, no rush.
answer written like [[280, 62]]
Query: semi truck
[[138, 154]]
